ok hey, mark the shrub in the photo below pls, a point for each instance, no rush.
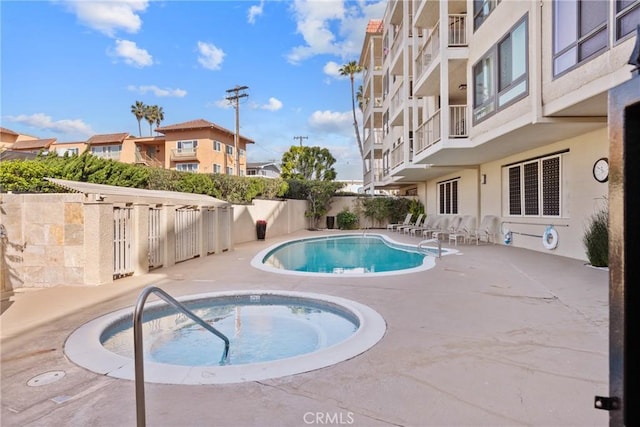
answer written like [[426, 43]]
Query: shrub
[[347, 220], [596, 239]]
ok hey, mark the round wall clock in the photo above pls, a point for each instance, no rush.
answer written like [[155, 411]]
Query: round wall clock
[[601, 170]]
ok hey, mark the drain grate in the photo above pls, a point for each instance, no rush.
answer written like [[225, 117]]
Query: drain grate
[[46, 378]]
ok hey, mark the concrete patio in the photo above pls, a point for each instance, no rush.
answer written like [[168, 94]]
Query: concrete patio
[[494, 336]]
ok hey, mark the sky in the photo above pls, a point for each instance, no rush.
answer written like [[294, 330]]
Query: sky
[[73, 69]]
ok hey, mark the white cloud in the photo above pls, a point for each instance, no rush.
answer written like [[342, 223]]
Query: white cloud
[[159, 92], [210, 56], [332, 69], [131, 54], [223, 103], [273, 105], [332, 122], [255, 11], [108, 17], [43, 122], [332, 27]]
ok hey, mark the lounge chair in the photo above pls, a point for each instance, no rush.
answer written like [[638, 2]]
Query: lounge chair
[[418, 224], [418, 221], [440, 223], [428, 222], [407, 221], [487, 230], [466, 227], [453, 227]]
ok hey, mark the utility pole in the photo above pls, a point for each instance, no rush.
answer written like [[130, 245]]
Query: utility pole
[[235, 99], [300, 138]]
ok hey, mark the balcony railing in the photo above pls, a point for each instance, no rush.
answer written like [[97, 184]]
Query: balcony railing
[[184, 153], [457, 30], [429, 51], [458, 121], [428, 133], [397, 42], [145, 159], [397, 156]]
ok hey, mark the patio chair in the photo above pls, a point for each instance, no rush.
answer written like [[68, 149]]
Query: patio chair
[[418, 221], [407, 221], [453, 227], [487, 230], [418, 224], [429, 222], [440, 223], [467, 226]]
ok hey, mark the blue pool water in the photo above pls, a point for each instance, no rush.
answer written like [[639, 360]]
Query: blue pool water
[[260, 329], [344, 255]]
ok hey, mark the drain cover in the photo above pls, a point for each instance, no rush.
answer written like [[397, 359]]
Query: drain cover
[[46, 378]]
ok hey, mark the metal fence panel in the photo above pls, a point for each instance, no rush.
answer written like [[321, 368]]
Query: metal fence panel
[[187, 236], [122, 235], [209, 218], [155, 239]]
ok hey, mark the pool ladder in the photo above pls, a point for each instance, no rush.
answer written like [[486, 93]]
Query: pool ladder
[[138, 351], [424, 242]]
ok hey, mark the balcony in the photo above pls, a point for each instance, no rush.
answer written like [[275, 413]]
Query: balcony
[[373, 140], [397, 155], [182, 154], [143, 158], [430, 132]]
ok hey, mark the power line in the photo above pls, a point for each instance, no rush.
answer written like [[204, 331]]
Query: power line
[[300, 138], [235, 99]]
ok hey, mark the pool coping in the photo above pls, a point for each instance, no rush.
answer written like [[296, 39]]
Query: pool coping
[[427, 263], [83, 347]]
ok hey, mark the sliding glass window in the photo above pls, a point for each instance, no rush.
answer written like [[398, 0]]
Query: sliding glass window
[[579, 32], [627, 17]]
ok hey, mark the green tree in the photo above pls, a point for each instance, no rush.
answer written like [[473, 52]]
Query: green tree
[[360, 98], [308, 163], [138, 109], [351, 69], [159, 116]]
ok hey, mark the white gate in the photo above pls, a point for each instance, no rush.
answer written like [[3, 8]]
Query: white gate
[[224, 225], [187, 236], [155, 240], [122, 265], [209, 218]]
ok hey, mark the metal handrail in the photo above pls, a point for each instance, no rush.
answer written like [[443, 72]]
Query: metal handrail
[[138, 351], [432, 241]]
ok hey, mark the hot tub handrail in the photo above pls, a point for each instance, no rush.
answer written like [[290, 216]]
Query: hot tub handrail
[[138, 351], [432, 241]]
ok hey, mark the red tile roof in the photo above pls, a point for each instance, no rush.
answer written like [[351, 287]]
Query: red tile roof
[[108, 138], [374, 26], [33, 144], [8, 131], [199, 124]]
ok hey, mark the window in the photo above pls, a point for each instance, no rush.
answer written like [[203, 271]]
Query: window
[[534, 187], [107, 151], [187, 146], [240, 152], [187, 167], [627, 17], [448, 197], [500, 77], [482, 9], [579, 32], [229, 170], [67, 151], [217, 168], [217, 146], [230, 149]]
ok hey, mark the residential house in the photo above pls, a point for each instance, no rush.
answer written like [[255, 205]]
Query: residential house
[[263, 169], [496, 108]]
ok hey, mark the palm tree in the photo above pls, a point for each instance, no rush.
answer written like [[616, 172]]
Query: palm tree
[[160, 116], [138, 109], [360, 98], [151, 115], [350, 69]]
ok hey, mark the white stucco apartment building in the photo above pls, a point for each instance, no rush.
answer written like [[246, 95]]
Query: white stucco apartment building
[[493, 107]]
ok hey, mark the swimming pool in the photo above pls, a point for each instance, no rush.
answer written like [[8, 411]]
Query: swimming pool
[[275, 334], [347, 254]]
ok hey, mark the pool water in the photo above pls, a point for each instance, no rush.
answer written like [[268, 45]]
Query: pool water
[[257, 332], [344, 255]]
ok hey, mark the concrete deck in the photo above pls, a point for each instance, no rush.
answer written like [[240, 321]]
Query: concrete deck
[[493, 336]]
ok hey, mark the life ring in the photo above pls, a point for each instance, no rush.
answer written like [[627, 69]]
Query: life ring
[[508, 237], [550, 238]]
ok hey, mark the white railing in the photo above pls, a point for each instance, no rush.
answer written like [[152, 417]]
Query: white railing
[[458, 121], [429, 51], [184, 152], [428, 133], [187, 234], [397, 42], [398, 98], [155, 239], [122, 239], [397, 155], [457, 30]]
